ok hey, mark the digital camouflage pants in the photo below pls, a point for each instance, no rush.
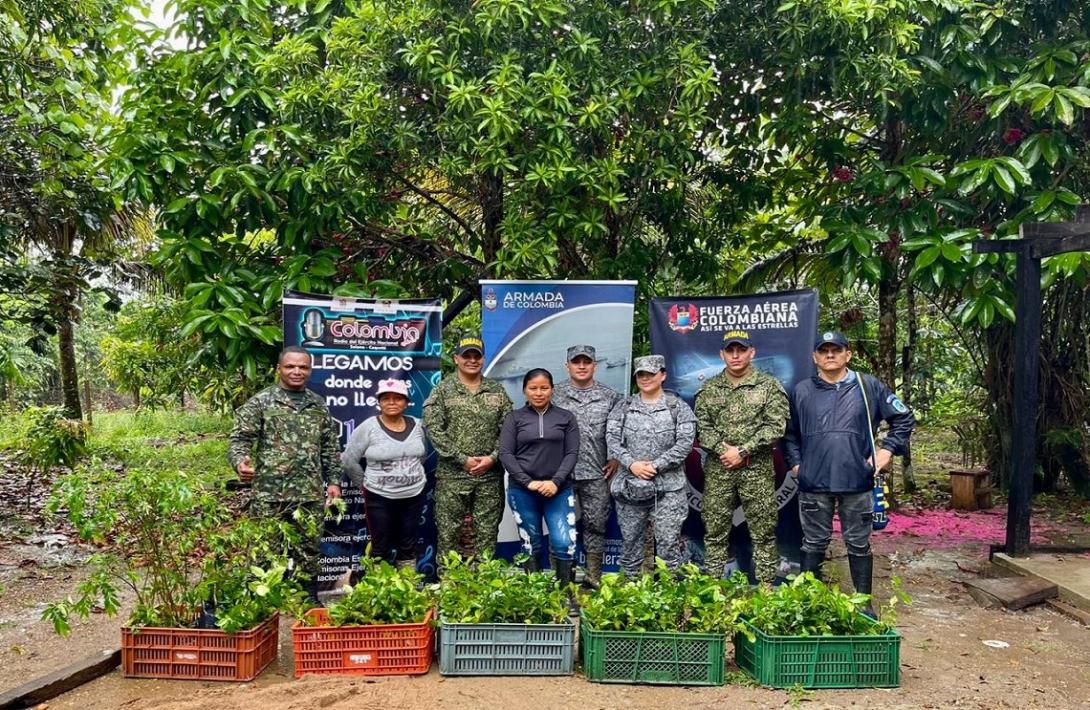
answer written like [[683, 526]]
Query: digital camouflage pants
[[665, 516], [754, 488]]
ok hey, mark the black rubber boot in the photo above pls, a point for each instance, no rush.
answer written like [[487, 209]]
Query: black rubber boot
[[532, 564], [811, 562], [862, 569], [565, 576]]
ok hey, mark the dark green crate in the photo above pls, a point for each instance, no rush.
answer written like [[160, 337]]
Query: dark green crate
[[820, 661], [653, 657]]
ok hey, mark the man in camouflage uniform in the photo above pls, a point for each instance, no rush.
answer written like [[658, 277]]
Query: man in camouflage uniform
[[741, 413], [287, 443], [463, 416], [590, 402], [650, 434]]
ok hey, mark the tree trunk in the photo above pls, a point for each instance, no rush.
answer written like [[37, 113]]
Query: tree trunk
[[69, 377], [886, 357], [908, 363], [87, 398]]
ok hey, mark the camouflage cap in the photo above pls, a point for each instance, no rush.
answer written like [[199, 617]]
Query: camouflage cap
[[831, 337], [649, 363], [469, 343], [577, 350], [737, 337]]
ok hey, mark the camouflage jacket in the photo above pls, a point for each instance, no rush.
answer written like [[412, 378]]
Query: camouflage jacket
[[295, 446], [661, 432], [751, 414], [591, 407], [461, 423]]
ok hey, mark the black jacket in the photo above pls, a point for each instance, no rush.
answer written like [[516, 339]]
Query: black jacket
[[539, 447], [827, 435]]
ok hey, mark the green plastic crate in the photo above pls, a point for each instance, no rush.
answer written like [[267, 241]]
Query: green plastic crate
[[507, 649], [653, 657], [820, 661]]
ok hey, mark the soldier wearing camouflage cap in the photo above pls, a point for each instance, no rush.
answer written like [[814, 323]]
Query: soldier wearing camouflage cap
[[591, 402], [650, 433], [286, 442], [741, 413], [463, 416]]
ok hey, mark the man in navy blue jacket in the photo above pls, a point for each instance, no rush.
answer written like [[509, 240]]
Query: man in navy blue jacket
[[830, 447]]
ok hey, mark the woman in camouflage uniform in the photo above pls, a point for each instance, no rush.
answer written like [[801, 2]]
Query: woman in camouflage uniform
[[650, 433]]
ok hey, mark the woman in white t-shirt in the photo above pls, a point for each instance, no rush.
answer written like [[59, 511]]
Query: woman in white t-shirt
[[385, 459]]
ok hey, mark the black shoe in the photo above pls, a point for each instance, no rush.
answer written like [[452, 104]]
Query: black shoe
[[531, 565], [862, 569], [811, 562], [565, 576]]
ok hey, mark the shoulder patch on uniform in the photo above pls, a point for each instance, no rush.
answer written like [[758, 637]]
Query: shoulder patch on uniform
[[895, 402]]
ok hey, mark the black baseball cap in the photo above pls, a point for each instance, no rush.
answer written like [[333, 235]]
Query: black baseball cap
[[831, 337], [736, 337], [469, 343]]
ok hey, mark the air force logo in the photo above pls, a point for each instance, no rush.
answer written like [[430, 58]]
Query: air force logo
[[895, 402]]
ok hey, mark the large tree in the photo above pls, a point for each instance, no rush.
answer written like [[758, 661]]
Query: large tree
[[60, 214]]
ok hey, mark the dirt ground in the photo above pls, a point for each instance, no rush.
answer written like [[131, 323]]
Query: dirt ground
[[944, 660]]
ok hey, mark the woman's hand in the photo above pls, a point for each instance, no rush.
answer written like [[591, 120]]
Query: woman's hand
[[643, 469], [546, 488]]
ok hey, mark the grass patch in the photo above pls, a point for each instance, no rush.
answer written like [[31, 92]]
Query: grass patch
[[161, 440]]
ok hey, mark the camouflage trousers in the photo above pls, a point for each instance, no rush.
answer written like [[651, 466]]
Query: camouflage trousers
[[456, 493], [665, 516], [593, 498], [304, 553], [754, 488]]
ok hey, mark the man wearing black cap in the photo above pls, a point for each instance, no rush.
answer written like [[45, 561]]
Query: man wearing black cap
[[830, 447], [591, 402], [463, 416], [741, 413]]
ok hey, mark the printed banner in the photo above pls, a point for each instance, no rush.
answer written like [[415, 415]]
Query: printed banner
[[355, 343], [527, 324], [689, 332]]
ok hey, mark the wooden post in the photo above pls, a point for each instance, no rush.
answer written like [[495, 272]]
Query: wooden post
[[1035, 242], [1027, 367]]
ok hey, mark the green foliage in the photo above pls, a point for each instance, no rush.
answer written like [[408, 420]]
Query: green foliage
[[806, 606], [383, 595], [176, 544], [145, 355], [666, 601], [52, 439], [491, 591]]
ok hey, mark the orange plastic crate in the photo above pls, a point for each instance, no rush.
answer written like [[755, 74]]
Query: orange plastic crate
[[198, 654], [382, 649]]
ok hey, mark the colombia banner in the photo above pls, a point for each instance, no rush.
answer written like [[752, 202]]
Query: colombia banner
[[689, 332], [356, 342], [528, 324]]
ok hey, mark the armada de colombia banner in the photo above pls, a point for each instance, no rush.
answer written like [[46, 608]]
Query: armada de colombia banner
[[528, 324], [689, 332], [356, 342]]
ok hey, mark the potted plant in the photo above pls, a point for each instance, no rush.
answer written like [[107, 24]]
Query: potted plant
[[805, 633], [496, 619], [383, 625], [208, 582], [661, 628]]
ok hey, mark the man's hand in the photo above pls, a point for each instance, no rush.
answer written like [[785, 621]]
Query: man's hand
[[884, 457], [245, 469], [484, 463], [610, 468], [731, 458], [795, 471], [332, 492], [547, 489], [471, 463], [643, 469]]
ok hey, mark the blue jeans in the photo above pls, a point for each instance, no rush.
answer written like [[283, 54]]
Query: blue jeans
[[559, 513]]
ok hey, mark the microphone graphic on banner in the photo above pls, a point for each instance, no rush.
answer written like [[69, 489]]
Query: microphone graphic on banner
[[313, 327]]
